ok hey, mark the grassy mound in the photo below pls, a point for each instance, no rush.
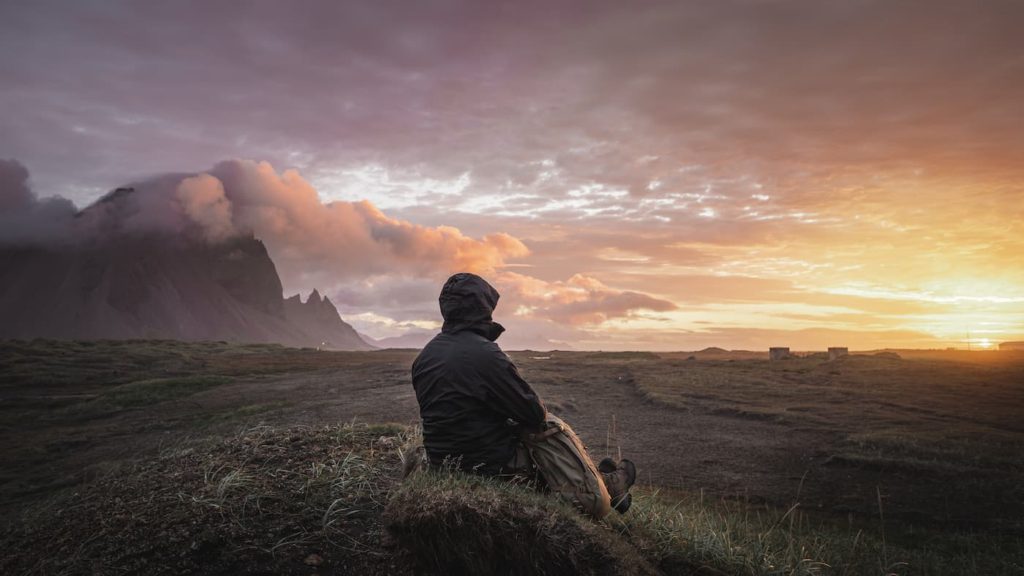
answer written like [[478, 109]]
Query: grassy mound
[[328, 500], [267, 501], [451, 523]]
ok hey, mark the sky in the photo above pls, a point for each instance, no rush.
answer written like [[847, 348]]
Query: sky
[[648, 175]]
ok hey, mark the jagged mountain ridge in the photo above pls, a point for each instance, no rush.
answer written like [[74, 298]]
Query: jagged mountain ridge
[[161, 287], [319, 318], [120, 280]]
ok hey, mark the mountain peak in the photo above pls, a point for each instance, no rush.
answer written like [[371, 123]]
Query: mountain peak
[[158, 287], [314, 297]]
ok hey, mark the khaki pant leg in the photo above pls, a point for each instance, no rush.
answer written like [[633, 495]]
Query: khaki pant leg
[[563, 462]]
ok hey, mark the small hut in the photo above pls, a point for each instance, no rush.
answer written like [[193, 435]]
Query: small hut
[[837, 352], [778, 353]]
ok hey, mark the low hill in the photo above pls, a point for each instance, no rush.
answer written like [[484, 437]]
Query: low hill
[[301, 500], [328, 500], [714, 350]]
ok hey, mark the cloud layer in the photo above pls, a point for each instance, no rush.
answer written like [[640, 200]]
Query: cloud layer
[[355, 250], [849, 166], [338, 240], [580, 300], [26, 219]]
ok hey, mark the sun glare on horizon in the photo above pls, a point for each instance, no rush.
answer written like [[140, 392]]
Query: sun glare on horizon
[[622, 184], [351, 286]]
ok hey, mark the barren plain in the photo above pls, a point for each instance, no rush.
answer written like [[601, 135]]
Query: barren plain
[[930, 440]]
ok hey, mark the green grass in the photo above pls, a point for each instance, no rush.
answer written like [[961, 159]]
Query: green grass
[[144, 393], [739, 538], [449, 521], [56, 366], [81, 364], [261, 501], [267, 499], [241, 414], [277, 495], [453, 523], [468, 524]]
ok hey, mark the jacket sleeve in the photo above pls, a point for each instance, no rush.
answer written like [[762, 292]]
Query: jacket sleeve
[[510, 395]]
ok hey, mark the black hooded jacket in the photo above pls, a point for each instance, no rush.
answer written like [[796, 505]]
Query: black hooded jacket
[[467, 388]]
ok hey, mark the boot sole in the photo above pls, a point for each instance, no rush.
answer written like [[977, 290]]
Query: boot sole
[[630, 469], [623, 503]]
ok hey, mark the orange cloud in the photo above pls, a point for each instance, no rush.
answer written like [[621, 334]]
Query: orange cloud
[[343, 240], [313, 243], [203, 201], [580, 300]]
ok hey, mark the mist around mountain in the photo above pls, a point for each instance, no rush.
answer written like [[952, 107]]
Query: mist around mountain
[[115, 274]]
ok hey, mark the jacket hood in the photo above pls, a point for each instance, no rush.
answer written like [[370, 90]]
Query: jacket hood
[[467, 302]]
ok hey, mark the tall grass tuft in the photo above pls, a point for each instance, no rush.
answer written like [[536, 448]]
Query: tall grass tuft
[[682, 530], [452, 523]]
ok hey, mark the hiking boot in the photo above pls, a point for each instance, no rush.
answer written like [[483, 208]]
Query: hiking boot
[[618, 479], [624, 470], [622, 504]]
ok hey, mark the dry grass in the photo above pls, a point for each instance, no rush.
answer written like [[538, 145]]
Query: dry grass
[[458, 524], [452, 523], [258, 502], [681, 530], [291, 500], [70, 365], [263, 500], [142, 393]]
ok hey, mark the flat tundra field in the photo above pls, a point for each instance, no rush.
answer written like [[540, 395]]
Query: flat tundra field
[[930, 439]]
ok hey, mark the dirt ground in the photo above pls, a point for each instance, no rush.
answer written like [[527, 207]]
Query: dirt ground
[[932, 439]]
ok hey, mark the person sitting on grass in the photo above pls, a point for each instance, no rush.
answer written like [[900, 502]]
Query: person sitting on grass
[[481, 416]]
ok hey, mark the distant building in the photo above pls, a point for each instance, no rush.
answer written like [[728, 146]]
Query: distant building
[[1012, 346], [837, 352], [778, 353]]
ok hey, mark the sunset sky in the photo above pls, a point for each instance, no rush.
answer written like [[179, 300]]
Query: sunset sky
[[629, 175]]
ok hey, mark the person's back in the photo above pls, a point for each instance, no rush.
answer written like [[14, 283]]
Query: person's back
[[480, 415], [467, 388]]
